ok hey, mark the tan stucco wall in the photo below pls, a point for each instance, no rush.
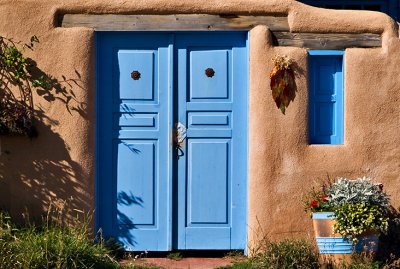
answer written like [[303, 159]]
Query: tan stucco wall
[[59, 164]]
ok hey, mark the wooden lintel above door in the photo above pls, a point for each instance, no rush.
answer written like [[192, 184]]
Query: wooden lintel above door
[[178, 22], [278, 25]]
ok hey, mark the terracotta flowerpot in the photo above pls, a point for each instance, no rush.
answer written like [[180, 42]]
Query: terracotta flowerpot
[[333, 243]]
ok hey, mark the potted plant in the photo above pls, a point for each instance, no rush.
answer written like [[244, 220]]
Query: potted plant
[[348, 215]]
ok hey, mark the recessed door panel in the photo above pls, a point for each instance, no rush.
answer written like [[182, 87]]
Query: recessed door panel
[[208, 192], [210, 119], [136, 186], [131, 121], [324, 119], [326, 80], [136, 74], [209, 74]]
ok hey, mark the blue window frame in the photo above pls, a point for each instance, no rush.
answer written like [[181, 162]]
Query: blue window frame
[[326, 116]]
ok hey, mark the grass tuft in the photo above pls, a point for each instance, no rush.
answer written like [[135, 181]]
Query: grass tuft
[[289, 253], [176, 256], [51, 245]]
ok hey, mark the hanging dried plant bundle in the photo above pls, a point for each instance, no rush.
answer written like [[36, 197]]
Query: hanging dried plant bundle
[[283, 83]]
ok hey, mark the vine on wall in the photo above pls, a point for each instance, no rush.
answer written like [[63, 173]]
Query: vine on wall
[[16, 83]]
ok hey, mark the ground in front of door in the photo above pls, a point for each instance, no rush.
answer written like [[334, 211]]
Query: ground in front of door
[[184, 263]]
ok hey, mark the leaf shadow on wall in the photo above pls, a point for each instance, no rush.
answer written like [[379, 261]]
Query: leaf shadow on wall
[[129, 205], [126, 223], [37, 172], [60, 90]]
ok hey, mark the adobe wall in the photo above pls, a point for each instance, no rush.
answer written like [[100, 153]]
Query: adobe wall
[[59, 165]]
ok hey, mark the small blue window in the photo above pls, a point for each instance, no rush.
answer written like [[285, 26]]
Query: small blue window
[[326, 97]]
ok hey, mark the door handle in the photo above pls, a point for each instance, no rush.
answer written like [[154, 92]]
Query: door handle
[[179, 139]]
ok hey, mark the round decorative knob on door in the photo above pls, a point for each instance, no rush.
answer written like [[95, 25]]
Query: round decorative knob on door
[[209, 72], [135, 75]]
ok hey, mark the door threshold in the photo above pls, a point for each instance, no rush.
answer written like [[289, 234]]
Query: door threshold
[[187, 253], [186, 259]]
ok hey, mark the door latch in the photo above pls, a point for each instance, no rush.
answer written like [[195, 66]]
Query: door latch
[[179, 139]]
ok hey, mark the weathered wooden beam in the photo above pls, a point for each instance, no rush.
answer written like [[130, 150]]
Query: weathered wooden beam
[[326, 41], [206, 22], [180, 22]]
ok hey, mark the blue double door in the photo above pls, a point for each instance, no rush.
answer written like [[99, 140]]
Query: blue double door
[[172, 140]]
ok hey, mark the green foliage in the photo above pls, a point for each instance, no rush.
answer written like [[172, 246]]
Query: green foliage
[[51, 246], [359, 261], [353, 220], [16, 82], [7, 255], [317, 201], [358, 205], [234, 255], [286, 254], [57, 247], [358, 191], [16, 64], [294, 254], [239, 265], [176, 256], [14, 61]]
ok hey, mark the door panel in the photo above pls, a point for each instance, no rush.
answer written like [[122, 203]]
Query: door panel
[[213, 107], [134, 158], [215, 84], [142, 186], [140, 87], [208, 190], [210, 119]]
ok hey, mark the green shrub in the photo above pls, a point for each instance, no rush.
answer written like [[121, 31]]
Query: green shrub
[[57, 247], [358, 191], [287, 254], [359, 206], [353, 220], [359, 261], [7, 255], [176, 256], [51, 246]]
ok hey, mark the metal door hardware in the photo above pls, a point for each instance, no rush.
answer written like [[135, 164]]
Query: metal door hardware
[[180, 136], [135, 75]]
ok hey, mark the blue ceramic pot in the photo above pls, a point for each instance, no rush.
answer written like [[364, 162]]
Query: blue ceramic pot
[[330, 243]]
